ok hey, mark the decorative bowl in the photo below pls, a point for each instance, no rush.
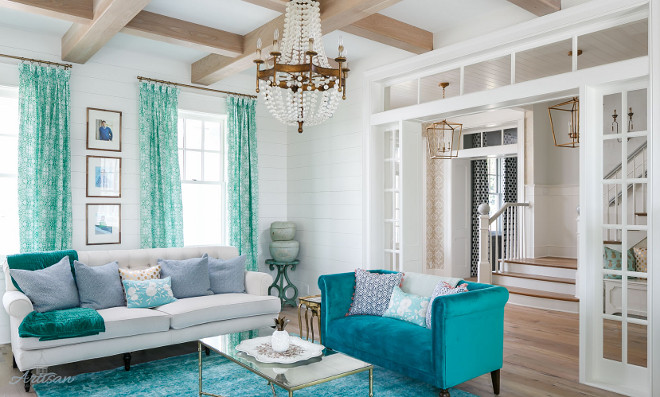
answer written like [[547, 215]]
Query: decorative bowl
[[284, 251], [262, 351], [282, 231]]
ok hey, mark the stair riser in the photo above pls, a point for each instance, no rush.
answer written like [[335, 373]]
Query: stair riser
[[539, 270], [542, 303], [538, 285]]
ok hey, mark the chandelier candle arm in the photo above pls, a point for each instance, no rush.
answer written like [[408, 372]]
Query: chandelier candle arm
[[301, 88]]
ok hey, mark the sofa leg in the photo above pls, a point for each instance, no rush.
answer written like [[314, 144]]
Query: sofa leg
[[127, 361], [207, 351], [27, 378], [444, 393], [495, 377]]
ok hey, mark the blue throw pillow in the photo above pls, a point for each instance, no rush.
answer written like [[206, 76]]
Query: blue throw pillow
[[373, 292], [52, 288], [227, 275], [148, 293], [408, 307], [190, 277], [99, 287]]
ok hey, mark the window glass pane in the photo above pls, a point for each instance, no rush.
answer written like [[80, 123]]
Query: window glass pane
[[510, 136], [8, 154], [193, 165], [8, 216], [492, 183], [211, 167], [181, 164], [193, 134], [212, 135], [202, 214], [9, 116], [180, 132]]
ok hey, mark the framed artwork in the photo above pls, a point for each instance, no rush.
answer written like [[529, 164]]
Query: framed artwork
[[103, 176], [103, 129], [103, 224]]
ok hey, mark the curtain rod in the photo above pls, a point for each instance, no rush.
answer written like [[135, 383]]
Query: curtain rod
[[196, 87], [64, 65]]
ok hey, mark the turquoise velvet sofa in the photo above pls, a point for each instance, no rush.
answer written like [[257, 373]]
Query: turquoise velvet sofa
[[465, 341]]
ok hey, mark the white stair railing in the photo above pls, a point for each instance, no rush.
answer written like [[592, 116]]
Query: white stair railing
[[507, 240]]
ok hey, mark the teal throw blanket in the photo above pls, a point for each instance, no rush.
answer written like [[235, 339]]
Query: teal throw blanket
[[62, 324]]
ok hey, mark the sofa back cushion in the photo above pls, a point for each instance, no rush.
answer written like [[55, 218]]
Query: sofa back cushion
[[144, 258], [99, 287], [190, 277], [51, 288], [424, 284], [33, 261], [227, 276]]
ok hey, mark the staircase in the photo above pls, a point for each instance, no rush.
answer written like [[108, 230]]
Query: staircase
[[546, 283]]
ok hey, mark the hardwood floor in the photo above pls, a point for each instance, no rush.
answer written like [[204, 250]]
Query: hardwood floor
[[540, 357]]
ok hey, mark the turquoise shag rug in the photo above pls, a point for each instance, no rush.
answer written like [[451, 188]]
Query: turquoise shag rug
[[178, 376]]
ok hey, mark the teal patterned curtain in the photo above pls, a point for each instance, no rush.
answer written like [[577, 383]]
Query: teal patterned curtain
[[242, 184], [161, 211], [44, 159]]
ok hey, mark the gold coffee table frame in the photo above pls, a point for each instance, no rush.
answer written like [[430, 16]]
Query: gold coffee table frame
[[272, 381], [311, 304]]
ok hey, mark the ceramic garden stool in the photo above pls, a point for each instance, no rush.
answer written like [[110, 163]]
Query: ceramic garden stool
[[282, 276], [310, 304]]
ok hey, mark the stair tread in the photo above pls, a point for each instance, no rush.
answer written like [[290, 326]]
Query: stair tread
[[641, 214], [536, 277], [546, 261], [542, 294], [612, 242]]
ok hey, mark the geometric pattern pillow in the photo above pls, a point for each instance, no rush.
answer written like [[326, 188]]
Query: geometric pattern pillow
[[612, 260], [640, 258], [443, 288], [408, 307], [148, 293], [150, 273], [373, 292]]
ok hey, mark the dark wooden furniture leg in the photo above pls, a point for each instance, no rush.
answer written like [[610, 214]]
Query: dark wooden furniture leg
[[27, 378], [127, 361], [444, 393], [207, 351], [495, 377], [13, 362]]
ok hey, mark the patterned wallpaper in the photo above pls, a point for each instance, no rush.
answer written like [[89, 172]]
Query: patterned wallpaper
[[435, 235]]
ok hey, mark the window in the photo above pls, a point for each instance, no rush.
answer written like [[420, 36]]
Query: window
[[201, 162], [9, 243], [495, 187]]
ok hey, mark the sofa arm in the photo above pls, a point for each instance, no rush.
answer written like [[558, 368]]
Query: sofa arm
[[17, 304], [468, 325], [337, 294], [257, 283]]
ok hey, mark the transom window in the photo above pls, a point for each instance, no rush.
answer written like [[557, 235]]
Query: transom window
[[9, 243]]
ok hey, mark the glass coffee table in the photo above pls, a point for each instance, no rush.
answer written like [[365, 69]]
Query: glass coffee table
[[290, 377]]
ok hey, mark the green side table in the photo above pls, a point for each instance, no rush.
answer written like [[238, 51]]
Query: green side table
[[282, 275]]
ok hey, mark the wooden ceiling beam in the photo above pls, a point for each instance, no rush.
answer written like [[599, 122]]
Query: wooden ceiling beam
[[392, 32], [335, 14], [538, 7], [175, 31], [82, 41], [77, 11]]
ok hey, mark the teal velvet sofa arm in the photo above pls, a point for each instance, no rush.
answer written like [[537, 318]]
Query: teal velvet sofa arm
[[468, 333], [337, 294]]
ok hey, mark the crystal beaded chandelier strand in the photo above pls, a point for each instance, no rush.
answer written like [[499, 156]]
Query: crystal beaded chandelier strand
[[301, 87]]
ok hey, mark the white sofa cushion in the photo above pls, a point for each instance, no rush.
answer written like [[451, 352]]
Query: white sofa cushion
[[423, 284], [119, 322], [206, 309]]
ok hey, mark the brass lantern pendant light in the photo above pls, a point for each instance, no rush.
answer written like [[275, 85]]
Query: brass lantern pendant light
[[443, 139], [298, 84], [569, 137]]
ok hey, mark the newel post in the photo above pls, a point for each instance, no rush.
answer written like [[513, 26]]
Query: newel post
[[484, 270]]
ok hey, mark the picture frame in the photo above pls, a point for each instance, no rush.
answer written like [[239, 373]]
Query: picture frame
[[103, 175], [104, 129], [103, 223]]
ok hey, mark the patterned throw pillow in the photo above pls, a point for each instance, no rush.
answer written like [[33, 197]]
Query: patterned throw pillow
[[373, 292], [148, 293], [640, 258], [443, 288], [612, 260], [150, 273], [408, 307]]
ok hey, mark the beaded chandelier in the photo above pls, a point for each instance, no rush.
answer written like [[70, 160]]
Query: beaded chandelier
[[298, 84]]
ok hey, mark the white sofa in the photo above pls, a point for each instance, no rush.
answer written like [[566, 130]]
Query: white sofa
[[129, 330]]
